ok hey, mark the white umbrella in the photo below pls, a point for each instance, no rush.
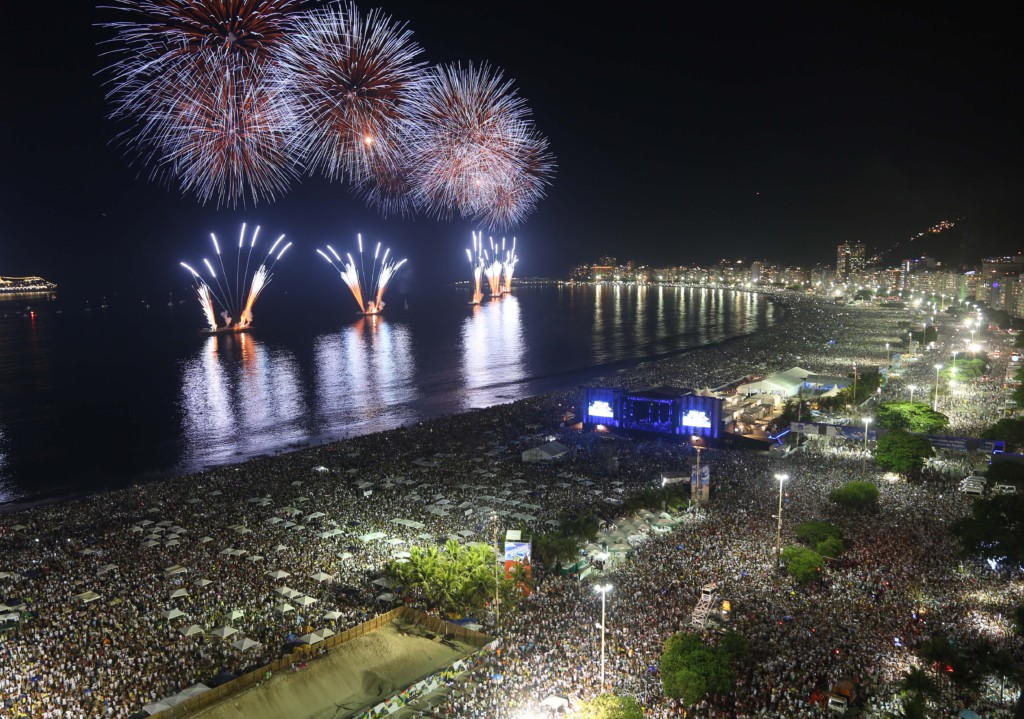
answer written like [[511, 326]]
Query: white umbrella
[[194, 629], [244, 644], [224, 632]]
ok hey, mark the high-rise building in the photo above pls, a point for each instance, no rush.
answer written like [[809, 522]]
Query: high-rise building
[[849, 259]]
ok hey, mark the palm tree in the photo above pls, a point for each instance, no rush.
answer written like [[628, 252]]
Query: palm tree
[[918, 681]]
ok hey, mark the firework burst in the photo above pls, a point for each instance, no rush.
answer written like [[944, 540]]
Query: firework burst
[[236, 297], [349, 76], [192, 80], [475, 150], [355, 278]]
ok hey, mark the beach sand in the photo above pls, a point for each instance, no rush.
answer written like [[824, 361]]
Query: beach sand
[[357, 674]]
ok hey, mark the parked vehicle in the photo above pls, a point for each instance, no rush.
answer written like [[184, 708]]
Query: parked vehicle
[[844, 693]]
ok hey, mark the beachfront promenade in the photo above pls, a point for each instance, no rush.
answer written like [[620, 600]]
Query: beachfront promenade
[[184, 572]]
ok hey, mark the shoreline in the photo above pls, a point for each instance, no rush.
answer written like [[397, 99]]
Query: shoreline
[[597, 374]]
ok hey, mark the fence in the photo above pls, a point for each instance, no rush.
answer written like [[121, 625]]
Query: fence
[[250, 679]]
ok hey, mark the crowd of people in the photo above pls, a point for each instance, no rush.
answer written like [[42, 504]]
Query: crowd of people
[[277, 547]]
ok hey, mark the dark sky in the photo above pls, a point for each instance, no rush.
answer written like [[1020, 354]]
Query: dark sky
[[681, 136]]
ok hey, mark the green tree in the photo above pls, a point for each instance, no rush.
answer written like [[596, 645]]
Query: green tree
[[803, 564], [995, 529], [610, 706], [825, 538], [856, 495], [966, 369], [793, 411], [863, 295], [902, 452], [690, 670], [1008, 429], [910, 416]]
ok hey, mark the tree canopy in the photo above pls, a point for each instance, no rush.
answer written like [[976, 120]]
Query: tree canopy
[[902, 452], [995, 529], [691, 669], [910, 416], [1008, 429], [456, 580], [823, 537], [966, 369], [856, 495], [803, 564], [610, 706]]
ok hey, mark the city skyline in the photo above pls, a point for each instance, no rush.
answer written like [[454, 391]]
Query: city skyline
[[784, 132]]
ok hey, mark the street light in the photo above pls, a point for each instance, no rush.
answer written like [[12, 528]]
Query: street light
[[935, 401], [778, 535], [911, 387], [864, 461], [603, 590]]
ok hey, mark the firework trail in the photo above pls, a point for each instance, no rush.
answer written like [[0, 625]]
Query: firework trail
[[355, 278], [349, 76], [236, 298], [493, 268], [476, 262], [192, 79], [473, 148], [509, 265]]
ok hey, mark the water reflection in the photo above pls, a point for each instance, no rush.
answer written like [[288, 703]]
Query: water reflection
[[493, 353], [239, 398], [6, 492], [365, 375]]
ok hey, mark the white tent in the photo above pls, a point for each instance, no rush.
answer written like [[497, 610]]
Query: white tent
[[280, 547], [314, 515], [245, 644], [180, 592], [170, 614], [236, 614], [311, 638], [106, 568], [86, 597], [322, 577], [203, 582], [204, 540], [326, 632], [150, 543], [224, 632], [545, 453], [332, 615], [195, 689], [193, 629], [555, 703], [284, 608], [156, 708], [305, 601], [784, 384], [278, 574]]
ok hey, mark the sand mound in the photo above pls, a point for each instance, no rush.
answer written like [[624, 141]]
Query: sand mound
[[356, 674]]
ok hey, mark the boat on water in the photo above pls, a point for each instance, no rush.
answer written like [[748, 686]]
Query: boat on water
[[12, 285], [232, 330]]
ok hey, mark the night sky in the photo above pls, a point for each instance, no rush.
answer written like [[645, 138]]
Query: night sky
[[681, 137]]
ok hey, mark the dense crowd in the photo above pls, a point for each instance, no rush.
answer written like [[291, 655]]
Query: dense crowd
[[327, 518]]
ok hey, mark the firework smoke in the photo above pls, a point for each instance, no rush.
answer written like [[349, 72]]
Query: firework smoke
[[236, 298], [356, 279]]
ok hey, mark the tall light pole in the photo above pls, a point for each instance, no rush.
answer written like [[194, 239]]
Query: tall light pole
[[497, 562], [935, 401], [603, 590], [778, 534], [697, 447], [864, 461], [911, 387]]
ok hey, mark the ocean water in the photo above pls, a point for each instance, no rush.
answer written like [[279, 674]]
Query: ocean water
[[93, 397]]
